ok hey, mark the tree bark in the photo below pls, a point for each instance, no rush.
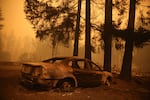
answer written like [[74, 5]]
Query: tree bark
[[88, 32], [108, 35], [76, 42], [126, 71]]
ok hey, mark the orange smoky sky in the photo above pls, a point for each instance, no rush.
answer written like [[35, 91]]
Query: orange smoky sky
[[14, 17], [17, 31]]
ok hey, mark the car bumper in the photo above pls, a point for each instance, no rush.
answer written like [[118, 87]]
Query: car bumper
[[39, 82]]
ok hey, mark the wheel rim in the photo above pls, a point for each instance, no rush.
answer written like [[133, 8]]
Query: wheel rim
[[107, 82], [66, 86]]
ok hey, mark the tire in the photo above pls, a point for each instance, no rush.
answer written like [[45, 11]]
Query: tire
[[108, 81], [66, 85]]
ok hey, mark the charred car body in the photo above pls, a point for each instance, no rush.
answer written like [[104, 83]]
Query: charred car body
[[64, 73]]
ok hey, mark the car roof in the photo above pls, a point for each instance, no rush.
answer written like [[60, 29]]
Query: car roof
[[69, 57]]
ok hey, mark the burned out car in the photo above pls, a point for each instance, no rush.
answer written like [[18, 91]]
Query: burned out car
[[64, 72]]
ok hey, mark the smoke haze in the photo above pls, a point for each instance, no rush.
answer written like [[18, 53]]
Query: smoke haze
[[18, 42]]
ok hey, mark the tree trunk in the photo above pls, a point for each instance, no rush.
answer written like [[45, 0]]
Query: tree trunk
[[108, 35], [88, 32], [76, 42], [126, 71]]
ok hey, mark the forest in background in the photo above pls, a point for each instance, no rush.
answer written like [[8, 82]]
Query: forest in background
[[96, 28]]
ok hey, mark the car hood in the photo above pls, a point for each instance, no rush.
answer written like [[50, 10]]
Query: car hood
[[105, 73]]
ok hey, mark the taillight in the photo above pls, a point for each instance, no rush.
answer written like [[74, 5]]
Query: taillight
[[26, 69], [36, 71]]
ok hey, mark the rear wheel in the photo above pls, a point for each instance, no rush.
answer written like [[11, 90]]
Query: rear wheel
[[108, 81], [66, 85]]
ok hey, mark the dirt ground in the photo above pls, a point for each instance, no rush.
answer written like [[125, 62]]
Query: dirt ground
[[10, 89]]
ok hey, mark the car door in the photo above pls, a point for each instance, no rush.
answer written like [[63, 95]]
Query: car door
[[83, 74], [93, 69]]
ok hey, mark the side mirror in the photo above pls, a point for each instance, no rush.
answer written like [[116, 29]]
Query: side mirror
[[96, 68]]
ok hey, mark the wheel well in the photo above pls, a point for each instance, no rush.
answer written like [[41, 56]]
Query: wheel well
[[71, 80]]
